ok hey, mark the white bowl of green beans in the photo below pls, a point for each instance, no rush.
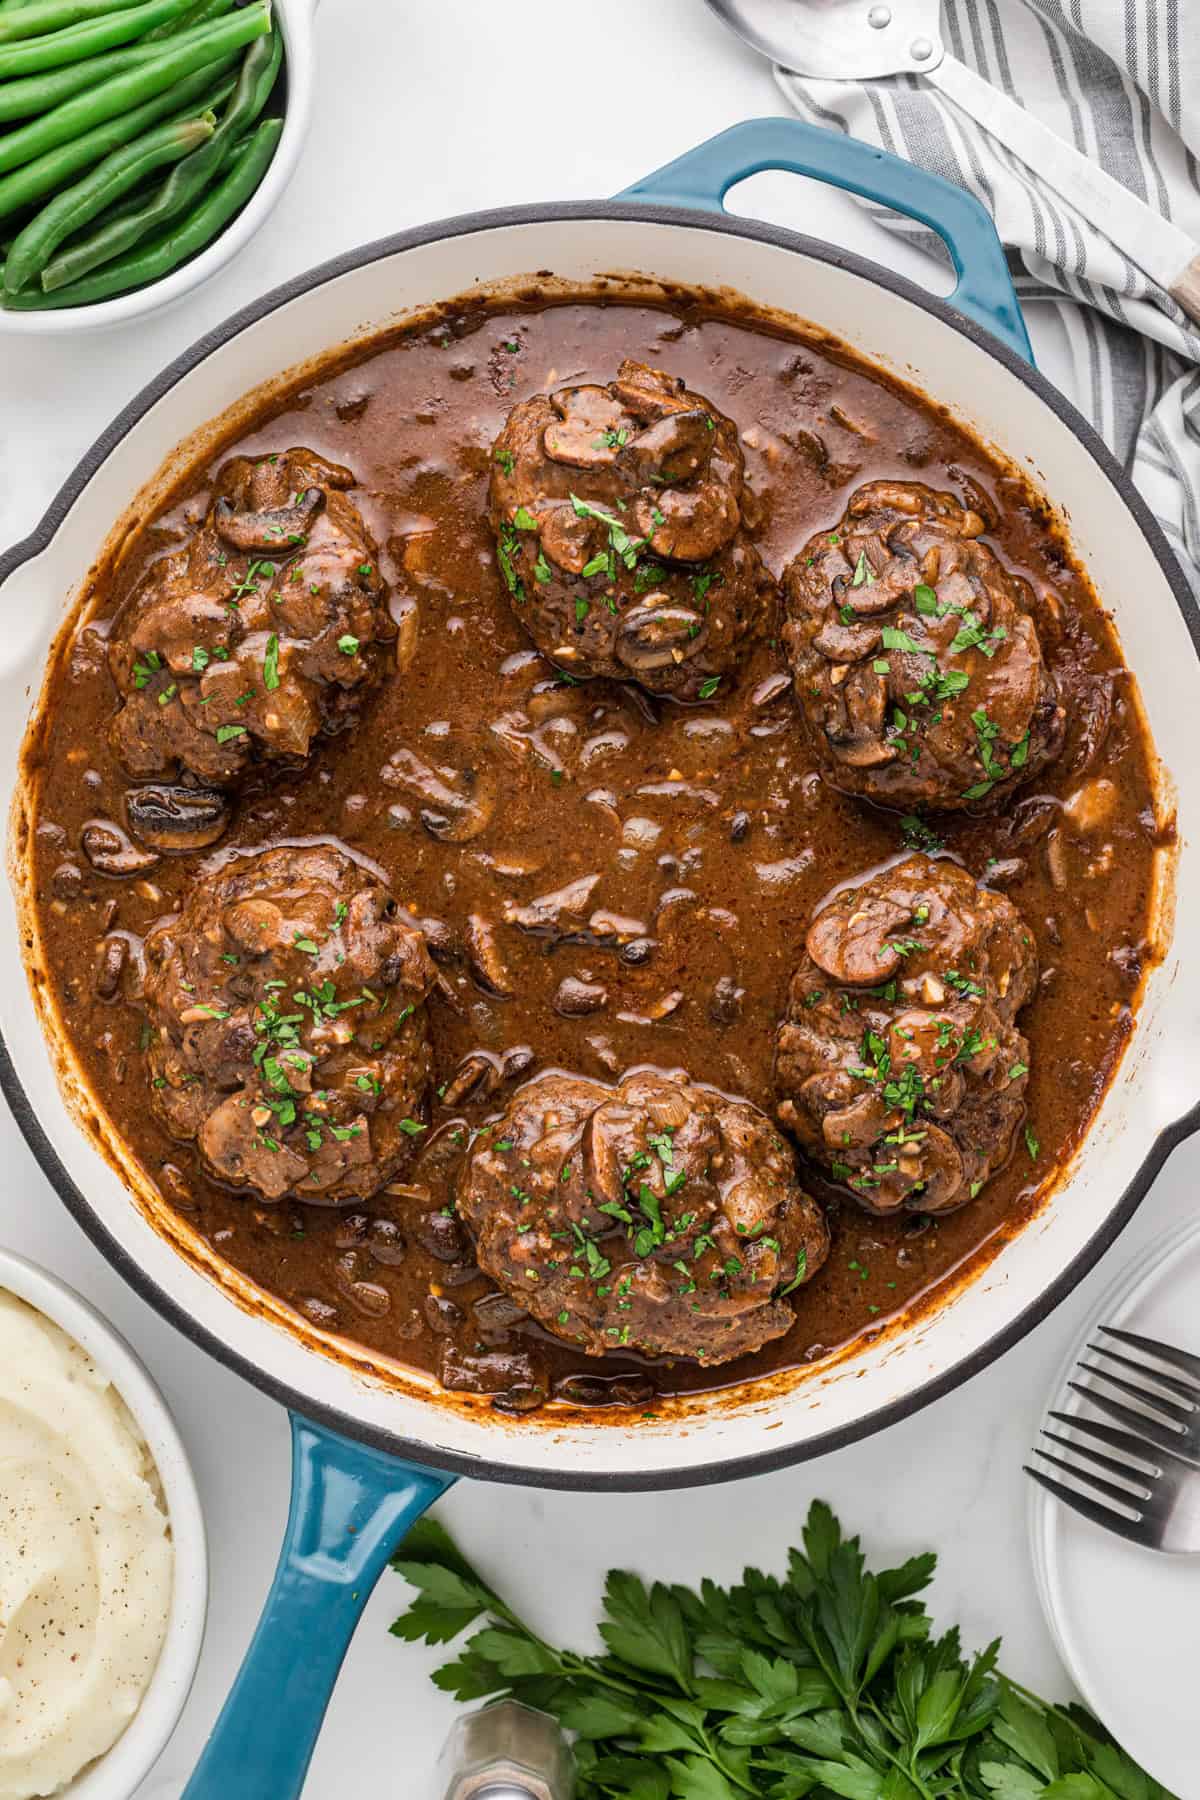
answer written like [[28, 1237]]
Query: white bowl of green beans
[[142, 144]]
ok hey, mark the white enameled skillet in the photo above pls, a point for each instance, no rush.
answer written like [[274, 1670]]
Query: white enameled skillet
[[970, 353]]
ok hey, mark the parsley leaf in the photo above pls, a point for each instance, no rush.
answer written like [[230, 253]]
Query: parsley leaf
[[621, 542], [971, 635], [826, 1681], [507, 546], [895, 639], [917, 835]]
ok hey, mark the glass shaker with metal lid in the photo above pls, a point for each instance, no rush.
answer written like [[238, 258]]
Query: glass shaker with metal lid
[[506, 1751]]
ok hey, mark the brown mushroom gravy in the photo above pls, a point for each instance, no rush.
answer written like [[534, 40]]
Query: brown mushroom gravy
[[609, 875]]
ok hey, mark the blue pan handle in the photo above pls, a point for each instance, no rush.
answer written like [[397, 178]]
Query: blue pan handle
[[702, 177], [350, 1508]]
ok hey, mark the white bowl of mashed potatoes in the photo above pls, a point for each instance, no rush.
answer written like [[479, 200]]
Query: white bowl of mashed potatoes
[[103, 1563]]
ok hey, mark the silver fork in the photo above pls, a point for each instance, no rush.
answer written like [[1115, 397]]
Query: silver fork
[[1153, 1450]]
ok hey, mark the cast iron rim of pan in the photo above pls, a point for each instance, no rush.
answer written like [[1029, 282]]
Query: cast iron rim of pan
[[510, 1471]]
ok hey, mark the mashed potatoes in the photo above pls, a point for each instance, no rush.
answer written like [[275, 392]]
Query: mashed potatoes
[[85, 1558]]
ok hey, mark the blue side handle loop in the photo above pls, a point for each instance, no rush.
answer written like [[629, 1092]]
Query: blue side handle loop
[[350, 1508], [702, 177]]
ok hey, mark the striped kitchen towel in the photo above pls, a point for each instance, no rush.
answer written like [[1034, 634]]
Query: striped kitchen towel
[[1119, 79]]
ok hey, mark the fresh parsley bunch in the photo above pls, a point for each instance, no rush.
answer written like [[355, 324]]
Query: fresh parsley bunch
[[827, 1682]]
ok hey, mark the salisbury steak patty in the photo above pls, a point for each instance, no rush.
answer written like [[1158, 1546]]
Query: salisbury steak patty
[[898, 1063], [917, 663], [656, 1215], [265, 629], [287, 1025], [619, 514]]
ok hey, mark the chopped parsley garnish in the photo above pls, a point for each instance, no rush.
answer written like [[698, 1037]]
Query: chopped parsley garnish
[[225, 732], [506, 549], [651, 575], [271, 663], [708, 688], [252, 580], [939, 684], [905, 1090], [917, 835], [864, 574], [971, 635], [655, 1232], [348, 644], [506, 460], [895, 639], [621, 542], [148, 664], [986, 733], [798, 1277]]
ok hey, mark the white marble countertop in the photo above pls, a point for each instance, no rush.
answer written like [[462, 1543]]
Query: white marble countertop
[[424, 112]]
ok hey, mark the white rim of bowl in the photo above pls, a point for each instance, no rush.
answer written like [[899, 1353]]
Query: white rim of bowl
[[120, 1770], [295, 18]]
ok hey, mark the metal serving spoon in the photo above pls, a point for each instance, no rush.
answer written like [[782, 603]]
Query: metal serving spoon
[[859, 40]]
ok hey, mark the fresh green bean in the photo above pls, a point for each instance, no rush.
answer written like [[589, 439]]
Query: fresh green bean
[[49, 15], [56, 168], [114, 234], [260, 68], [61, 47], [201, 11], [152, 261], [34, 94], [114, 97], [73, 207], [217, 95]]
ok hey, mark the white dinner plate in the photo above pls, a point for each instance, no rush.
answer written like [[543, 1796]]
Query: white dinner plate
[[1127, 1621]]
